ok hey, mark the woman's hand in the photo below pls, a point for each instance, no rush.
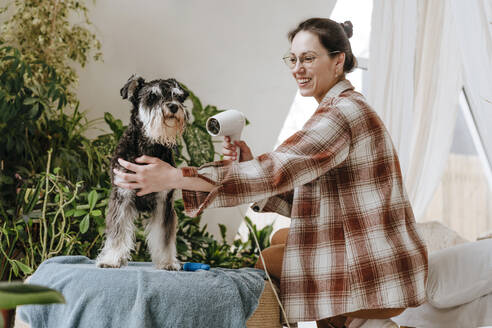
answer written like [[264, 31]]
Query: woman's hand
[[229, 150], [153, 176]]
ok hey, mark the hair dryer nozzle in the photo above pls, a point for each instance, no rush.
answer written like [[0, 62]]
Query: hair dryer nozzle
[[227, 123]]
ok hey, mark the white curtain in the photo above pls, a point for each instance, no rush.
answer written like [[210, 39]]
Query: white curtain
[[414, 83], [438, 81], [390, 86], [473, 20]]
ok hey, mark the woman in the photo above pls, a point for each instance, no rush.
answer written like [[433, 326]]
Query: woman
[[352, 249]]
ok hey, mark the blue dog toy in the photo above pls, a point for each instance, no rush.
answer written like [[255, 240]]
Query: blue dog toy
[[192, 266]]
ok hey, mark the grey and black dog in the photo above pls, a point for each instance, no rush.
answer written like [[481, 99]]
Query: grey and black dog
[[158, 117]]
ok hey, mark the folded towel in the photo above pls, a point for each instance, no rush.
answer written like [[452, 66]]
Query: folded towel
[[138, 295]]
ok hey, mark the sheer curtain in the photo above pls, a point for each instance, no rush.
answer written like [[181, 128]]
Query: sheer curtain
[[438, 82], [390, 86], [415, 79]]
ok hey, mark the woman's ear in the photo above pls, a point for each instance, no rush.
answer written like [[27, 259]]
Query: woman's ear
[[340, 63]]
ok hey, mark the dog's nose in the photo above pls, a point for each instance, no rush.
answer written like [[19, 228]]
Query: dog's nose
[[173, 108]]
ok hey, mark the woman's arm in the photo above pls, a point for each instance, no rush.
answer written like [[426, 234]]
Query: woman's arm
[[322, 144], [153, 175]]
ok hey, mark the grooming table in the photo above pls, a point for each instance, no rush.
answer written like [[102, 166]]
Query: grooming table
[[140, 296], [267, 313]]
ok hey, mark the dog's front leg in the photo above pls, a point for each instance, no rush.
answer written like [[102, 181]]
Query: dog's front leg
[[161, 233], [120, 227]]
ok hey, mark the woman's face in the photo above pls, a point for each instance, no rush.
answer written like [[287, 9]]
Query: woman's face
[[318, 72]]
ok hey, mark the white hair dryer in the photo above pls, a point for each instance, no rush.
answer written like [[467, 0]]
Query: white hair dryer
[[227, 123]]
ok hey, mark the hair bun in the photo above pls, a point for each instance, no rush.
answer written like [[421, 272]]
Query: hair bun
[[348, 28]]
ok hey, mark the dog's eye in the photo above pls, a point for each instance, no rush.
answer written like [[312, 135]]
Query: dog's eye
[[182, 97], [151, 99]]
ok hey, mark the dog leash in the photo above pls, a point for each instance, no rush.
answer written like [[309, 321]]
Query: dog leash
[[265, 267]]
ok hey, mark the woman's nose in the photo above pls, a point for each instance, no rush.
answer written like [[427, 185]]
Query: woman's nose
[[297, 68]]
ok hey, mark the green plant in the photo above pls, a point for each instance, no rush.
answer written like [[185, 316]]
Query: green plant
[[52, 32], [195, 244], [33, 120], [38, 227], [21, 106]]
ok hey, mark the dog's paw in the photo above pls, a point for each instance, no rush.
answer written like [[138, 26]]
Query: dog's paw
[[110, 263], [169, 266]]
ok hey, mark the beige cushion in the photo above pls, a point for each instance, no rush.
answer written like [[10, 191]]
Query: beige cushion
[[437, 236]]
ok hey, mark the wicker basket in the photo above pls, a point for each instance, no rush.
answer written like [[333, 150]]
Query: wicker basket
[[267, 314]]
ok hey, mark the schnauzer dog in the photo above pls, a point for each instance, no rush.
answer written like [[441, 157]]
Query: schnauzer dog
[[158, 118]]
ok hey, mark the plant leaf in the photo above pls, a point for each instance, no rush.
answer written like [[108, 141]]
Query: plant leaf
[[93, 196], [23, 267], [223, 231], [34, 198], [78, 213], [96, 213], [84, 224], [30, 101], [13, 294], [15, 268]]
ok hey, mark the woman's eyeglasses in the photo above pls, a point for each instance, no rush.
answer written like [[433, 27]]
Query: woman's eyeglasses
[[305, 60]]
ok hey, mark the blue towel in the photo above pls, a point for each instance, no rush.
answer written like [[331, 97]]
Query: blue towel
[[140, 296]]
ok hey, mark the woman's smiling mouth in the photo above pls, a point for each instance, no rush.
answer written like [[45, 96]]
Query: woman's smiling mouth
[[303, 81]]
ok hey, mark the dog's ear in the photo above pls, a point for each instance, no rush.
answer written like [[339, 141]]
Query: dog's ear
[[131, 86]]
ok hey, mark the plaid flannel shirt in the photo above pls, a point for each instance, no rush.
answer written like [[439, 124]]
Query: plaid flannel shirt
[[353, 242]]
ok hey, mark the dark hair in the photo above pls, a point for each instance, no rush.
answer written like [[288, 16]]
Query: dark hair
[[332, 35]]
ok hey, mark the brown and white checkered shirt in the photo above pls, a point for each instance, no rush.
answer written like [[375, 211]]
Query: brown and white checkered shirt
[[353, 242]]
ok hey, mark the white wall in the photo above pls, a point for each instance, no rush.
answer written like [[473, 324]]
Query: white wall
[[227, 52]]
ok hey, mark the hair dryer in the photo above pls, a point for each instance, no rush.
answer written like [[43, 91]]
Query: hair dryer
[[227, 123]]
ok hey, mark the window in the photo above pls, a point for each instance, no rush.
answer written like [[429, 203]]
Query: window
[[359, 13], [463, 199]]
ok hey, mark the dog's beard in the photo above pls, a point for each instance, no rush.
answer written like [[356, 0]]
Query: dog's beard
[[160, 128]]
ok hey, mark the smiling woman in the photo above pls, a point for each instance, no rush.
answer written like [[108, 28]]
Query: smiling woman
[[320, 55], [352, 249]]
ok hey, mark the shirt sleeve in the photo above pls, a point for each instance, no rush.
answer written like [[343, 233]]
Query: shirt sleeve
[[322, 144], [281, 204]]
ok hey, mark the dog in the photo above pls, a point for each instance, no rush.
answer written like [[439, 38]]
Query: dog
[[158, 118]]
